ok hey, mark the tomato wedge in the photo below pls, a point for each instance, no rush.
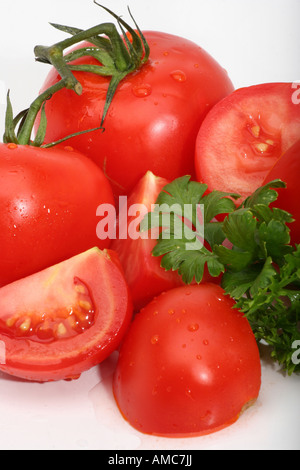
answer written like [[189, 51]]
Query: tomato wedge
[[244, 135], [143, 273], [62, 321]]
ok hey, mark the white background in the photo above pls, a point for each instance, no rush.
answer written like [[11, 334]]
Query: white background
[[256, 41]]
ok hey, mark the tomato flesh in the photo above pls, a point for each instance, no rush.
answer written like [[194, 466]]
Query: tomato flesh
[[188, 365], [48, 202], [244, 135], [154, 117], [287, 168], [65, 319]]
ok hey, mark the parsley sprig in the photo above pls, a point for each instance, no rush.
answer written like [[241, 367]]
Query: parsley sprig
[[250, 247]]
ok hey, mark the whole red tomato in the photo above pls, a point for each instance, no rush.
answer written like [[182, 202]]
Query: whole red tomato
[[287, 169], [154, 117], [48, 203], [188, 365]]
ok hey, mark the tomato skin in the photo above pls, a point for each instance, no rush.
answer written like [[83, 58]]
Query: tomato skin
[[33, 359], [287, 169], [48, 202], [188, 364], [244, 135], [154, 117]]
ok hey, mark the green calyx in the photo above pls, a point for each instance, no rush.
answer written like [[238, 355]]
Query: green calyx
[[117, 56]]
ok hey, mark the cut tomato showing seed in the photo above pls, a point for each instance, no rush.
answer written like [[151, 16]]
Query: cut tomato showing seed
[[244, 135], [66, 319]]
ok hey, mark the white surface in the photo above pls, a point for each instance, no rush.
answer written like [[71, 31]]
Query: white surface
[[256, 41]]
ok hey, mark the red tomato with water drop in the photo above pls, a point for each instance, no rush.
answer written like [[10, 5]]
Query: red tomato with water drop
[[154, 117], [188, 365], [48, 203]]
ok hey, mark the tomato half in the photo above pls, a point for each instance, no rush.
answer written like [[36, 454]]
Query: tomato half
[[154, 117], [244, 135], [62, 321], [188, 365], [288, 170], [48, 202]]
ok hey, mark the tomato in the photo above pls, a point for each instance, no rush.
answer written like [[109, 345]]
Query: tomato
[[154, 117], [244, 135], [188, 365], [143, 272], [48, 202], [287, 169], [144, 275], [62, 321]]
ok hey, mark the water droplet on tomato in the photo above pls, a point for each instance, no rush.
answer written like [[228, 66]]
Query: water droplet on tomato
[[205, 342], [178, 75], [154, 339], [193, 327], [12, 146], [68, 148], [141, 91]]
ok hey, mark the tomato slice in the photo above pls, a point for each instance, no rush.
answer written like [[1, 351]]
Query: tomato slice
[[244, 135], [188, 365], [62, 321], [287, 169]]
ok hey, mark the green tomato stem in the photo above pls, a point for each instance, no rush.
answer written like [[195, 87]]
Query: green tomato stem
[[116, 55], [24, 135]]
